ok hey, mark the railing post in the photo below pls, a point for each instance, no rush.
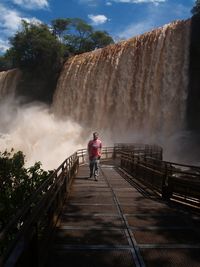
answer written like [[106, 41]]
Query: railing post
[[114, 153], [166, 190]]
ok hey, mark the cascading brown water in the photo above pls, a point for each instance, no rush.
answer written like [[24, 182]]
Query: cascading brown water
[[135, 90], [136, 85], [32, 128], [8, 82]]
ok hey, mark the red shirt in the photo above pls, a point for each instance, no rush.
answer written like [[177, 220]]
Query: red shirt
[[94, 148]]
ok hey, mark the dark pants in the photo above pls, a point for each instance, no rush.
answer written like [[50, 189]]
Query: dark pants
[[94, 167]]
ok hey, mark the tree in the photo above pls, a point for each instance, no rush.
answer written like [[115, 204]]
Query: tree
[[77, 38], [39, 51], [39, 54], [35, 48], [84, 30], [196, 9], [101, 39], [81, 37], [17, 183], [60, 26], [5, 63]]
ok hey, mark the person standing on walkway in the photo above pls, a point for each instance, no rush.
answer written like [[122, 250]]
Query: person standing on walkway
[[94, 152]]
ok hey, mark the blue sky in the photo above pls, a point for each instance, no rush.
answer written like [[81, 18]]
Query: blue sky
[[122, 19]]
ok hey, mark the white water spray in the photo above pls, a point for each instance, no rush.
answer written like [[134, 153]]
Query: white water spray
[[34, 130]]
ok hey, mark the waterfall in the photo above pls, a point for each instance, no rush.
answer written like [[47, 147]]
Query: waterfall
[[8, 82], [132, 91], [139, 85], [32, 128]]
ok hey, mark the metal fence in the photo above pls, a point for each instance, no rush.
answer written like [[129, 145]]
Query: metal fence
[[171, 180], [25, 239]]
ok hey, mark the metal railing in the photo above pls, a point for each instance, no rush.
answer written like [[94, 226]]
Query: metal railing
[[171, 180], [107, 153], [27, 236], [24, 240]]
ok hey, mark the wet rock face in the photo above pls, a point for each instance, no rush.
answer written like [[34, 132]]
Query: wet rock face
[[193, 108], [139, 84]]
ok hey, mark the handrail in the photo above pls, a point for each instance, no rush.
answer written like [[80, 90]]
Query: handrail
[[17, 234], [171, 180], [30, 227], [27, 226], [107, 152]]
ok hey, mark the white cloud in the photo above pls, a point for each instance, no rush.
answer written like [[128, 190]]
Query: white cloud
[[139, 1], [32, 4], [89, 2], [98, 19], [109, 3], [4, 45], [10, 22]]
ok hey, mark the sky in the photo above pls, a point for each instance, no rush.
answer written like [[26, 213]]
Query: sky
[[122, 19]]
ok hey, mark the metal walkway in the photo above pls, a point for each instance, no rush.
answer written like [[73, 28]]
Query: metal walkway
[[111, 223]]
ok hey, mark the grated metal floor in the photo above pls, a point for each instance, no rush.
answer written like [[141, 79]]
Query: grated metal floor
[[109, 223]]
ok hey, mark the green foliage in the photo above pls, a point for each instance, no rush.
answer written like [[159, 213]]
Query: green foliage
[[5, 63], [196, 9], [101, 39], [79, 37], [35, 48], [83, 29], [60, 26], [77, 41], [38, 49], [17, 183]]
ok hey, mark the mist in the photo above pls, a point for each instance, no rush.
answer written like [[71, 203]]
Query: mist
[[35, 131], [41, 136]]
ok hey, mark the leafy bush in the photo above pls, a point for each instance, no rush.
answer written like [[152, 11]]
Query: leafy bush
[[17, 183]]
